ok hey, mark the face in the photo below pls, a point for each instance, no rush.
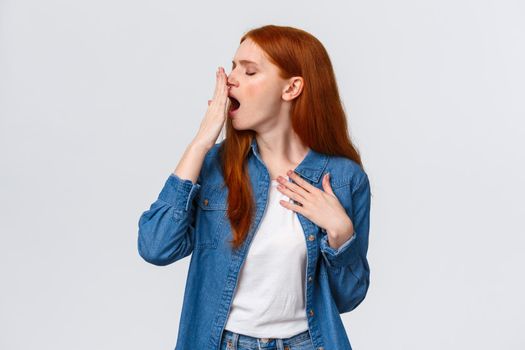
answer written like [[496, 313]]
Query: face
[[263, 95]]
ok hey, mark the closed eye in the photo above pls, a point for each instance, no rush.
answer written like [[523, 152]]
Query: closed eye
[[250, 73]]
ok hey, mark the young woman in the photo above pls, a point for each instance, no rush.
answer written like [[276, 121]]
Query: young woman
[[276, 216]]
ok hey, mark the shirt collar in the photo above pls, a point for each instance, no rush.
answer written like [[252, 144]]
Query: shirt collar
[[311, 167]]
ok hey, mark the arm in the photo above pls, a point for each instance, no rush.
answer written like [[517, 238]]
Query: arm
[[166, 229], [347, 266]]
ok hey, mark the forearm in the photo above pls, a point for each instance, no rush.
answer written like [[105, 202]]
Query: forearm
[[190, 164]]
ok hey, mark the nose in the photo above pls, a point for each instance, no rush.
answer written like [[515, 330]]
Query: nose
[[230, 82]]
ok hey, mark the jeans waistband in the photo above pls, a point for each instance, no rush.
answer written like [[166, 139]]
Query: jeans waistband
[[264, 343]]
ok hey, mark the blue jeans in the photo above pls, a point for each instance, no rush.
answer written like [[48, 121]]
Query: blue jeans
[[236, 341]]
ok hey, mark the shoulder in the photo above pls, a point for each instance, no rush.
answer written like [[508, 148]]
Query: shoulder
[[346, 172]]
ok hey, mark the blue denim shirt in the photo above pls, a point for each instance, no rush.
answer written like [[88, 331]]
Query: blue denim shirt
[[191, 218]]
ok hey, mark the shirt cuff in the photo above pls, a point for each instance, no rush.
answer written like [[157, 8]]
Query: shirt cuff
[[179, 192], [342, 256]]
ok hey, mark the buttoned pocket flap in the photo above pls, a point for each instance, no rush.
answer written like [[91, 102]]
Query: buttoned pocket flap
[[212, 197]]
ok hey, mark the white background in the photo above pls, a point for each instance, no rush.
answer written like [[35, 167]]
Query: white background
[[98, 100]]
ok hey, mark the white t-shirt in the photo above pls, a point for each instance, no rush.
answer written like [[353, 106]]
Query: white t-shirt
[[269, 298]]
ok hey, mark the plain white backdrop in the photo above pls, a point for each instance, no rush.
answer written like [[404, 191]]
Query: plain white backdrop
[[98, 100]]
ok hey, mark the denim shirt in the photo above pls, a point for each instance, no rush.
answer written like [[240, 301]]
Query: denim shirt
[[192, 217]]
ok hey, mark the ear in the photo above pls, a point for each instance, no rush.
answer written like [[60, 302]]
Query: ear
[[293, 88]]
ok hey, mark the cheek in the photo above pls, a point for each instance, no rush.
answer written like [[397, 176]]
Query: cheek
[[255, 90], [262, 94]]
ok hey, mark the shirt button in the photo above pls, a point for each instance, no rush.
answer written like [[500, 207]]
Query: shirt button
[[206, 202], [311, 312], [311, 237], [309, 278]]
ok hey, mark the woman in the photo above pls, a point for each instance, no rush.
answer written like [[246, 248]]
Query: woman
[[276, 215]]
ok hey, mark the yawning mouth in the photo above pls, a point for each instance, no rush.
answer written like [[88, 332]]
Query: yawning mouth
[[235, 104]]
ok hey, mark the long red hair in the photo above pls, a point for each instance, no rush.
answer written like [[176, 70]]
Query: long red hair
[[317, 116]]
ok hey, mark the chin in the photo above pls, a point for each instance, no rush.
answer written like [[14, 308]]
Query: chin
[[238, 126], [240, 122]]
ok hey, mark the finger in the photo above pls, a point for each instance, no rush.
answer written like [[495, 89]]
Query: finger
[[300, 185], [223, 94], [293, 195], [217, 79], [327, 187], [297, 188], [291, 206], [218, 86], [223, 86], [227, 105]]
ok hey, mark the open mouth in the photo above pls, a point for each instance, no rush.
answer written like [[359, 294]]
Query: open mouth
[[235, 104]]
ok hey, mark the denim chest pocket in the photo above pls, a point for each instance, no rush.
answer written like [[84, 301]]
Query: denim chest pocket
[[211, 215]]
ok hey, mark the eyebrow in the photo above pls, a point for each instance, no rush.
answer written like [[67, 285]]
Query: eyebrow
[[244, 62]]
